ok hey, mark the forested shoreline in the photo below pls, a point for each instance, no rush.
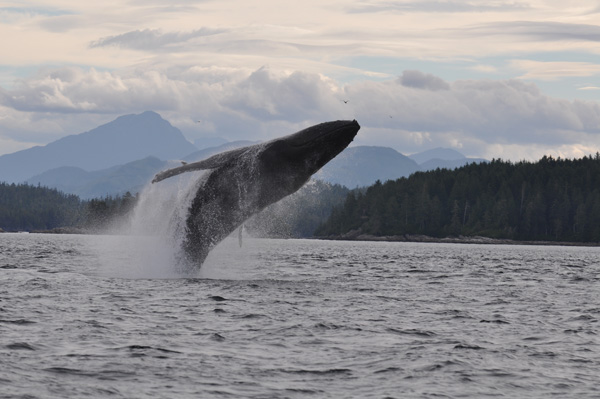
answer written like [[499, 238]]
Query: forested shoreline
[[39, 209], [24, 208], [549, 200], [30, 208], [556, 200]]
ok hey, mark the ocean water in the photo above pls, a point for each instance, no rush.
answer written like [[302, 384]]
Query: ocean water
[[108, 316]]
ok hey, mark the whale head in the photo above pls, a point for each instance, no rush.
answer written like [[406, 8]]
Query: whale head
[[290, 161]]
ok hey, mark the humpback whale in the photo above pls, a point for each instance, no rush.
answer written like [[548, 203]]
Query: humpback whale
[[242, 182]]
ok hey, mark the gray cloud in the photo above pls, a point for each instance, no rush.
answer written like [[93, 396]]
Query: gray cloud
[[543, 31], [152, 39], [218, 41], [413, 111], [420, 80], [296, 97], [73, 90], [44, 11], [436, 7], [62, 23]]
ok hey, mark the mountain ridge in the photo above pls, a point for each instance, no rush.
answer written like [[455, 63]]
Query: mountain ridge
[[85, 164], [116, 180], [125, 139], [361, 166], [442, 153]]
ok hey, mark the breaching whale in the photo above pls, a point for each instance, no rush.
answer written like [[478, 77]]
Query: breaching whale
[[244, 181]]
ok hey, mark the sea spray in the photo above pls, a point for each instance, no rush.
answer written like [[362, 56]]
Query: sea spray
[[155, 229], [149, 243]]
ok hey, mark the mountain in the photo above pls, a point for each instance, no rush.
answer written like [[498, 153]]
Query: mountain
[[442, 158], [363, 165], [126, 139], [208, 152], [434, 164], [84, 164], [68, 179], [447, 154], [209, 142], [116, 180]]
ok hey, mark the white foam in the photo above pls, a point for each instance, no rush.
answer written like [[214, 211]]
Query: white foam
[[151, 240]]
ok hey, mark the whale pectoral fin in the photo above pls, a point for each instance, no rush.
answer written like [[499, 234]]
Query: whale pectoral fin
[[210, 163], [173, 172]]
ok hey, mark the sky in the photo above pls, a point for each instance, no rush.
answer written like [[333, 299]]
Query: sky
[[493, 79]]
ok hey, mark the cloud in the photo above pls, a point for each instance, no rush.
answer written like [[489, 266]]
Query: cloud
[[422, 80], [33, 11], [538, 30], [9, 145], [436, 6], [21, 130], [410, 113], [554, 70], [477, 113], [152, 39], [294, 97], [75, 90], [220, 44]]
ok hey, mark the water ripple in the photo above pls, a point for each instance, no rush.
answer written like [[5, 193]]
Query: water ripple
[[299, 318]]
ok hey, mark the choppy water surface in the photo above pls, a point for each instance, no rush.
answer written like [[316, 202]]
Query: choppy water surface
[[82, 316]]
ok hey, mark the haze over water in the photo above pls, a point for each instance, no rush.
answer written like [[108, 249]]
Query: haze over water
[[297, 319]]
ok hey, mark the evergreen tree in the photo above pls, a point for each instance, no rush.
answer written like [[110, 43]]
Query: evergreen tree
[[552, 199]]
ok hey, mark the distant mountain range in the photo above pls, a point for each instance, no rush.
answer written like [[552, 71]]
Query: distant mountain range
[[126, 139], [363, 165], [132, 177], [209, 142], [208, 152], [442, 158], [446, 154], [119, 179], [125, 154]]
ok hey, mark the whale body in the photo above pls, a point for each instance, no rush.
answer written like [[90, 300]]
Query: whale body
[[242, 182]]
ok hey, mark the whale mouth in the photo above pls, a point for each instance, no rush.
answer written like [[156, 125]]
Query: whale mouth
[[324, 131]]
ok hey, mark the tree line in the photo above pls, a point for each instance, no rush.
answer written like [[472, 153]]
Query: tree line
[[552, 199], [25, 207], [33, 208]]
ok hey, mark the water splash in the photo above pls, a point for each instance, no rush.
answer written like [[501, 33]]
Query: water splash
[[155, 234], [151, 239]]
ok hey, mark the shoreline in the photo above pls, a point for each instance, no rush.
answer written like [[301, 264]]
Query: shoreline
[[353, 236], [56, 230], [454, 240]]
